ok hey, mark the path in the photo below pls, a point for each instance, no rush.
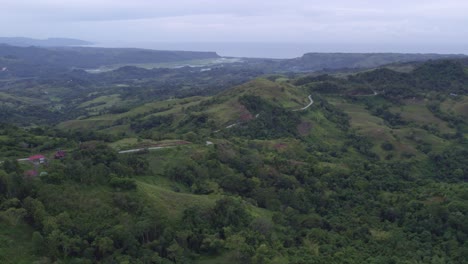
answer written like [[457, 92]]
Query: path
[[157, 148], [257, 115], [120, 152], [142, 149], [307, 106], [19, 160]]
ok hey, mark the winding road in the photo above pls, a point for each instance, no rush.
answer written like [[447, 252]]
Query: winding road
[[142, 149], [257, 115], [157, 148], [307, 106]]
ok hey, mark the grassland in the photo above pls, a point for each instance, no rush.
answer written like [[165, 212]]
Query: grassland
[[174, 203], [14, 100], [15, 244], [172, 106], [405, 140], [416, 111], [458, 106]]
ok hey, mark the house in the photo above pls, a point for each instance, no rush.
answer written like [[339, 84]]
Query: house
[[60, 154], [37, 159]]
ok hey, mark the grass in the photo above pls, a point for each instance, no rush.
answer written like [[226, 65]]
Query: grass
[[128, 143], [101, 103], [173, 106], [22, 100], [87, 124], [119, 130], [161, 190], [404, 140], [173, 202], [458, 106], [322, 130], [15, 244], [416, 111]]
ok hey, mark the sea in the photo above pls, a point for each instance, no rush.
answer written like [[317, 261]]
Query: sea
[[292, 50]]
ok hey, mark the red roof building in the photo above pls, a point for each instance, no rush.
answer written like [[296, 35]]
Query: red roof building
[[37, 159], [60, 154]]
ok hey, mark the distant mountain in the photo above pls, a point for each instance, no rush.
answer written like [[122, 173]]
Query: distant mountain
[[50, 42], [319, 61], [33, 61]]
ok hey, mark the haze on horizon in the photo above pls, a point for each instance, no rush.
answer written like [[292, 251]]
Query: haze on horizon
[[299, 25]]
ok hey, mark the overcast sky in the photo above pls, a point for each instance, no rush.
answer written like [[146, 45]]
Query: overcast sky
[[413, 22]]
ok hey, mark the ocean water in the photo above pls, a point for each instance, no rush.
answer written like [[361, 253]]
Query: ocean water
[[292, 50]]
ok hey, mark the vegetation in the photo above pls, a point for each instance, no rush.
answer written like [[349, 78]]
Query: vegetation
[[373, 171]]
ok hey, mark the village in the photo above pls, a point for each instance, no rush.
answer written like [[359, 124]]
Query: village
[[39, 161]]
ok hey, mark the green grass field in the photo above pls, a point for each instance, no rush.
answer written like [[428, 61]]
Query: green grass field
[[457, 106], [174, 203], [404, 140], [416, 111], [15, 244]]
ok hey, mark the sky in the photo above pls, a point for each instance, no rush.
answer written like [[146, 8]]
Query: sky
[[339, 25]]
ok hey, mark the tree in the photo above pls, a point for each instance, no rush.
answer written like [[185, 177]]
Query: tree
[[104, 246], [229, 212], [123, 183]]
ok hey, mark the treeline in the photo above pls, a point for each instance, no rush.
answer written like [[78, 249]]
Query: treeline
[[320, 206], [447, 76], [269, 121]]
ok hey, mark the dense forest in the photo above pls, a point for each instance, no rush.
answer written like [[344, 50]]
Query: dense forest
[[236, 165]]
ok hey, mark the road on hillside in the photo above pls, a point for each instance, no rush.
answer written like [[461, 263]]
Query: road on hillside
[[141, 149], [307, 106], [23, 159], [257, 115], [157, 148]]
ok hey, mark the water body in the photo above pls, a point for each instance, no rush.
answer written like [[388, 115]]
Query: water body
[[292, 50]]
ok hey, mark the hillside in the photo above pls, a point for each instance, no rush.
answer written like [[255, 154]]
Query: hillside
[[362, 167], [218, 111]]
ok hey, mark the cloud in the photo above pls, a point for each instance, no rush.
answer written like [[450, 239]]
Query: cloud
[[340, 21]]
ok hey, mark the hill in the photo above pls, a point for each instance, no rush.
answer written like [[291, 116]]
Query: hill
[[343, 61], [317, 61], [40, 61]]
